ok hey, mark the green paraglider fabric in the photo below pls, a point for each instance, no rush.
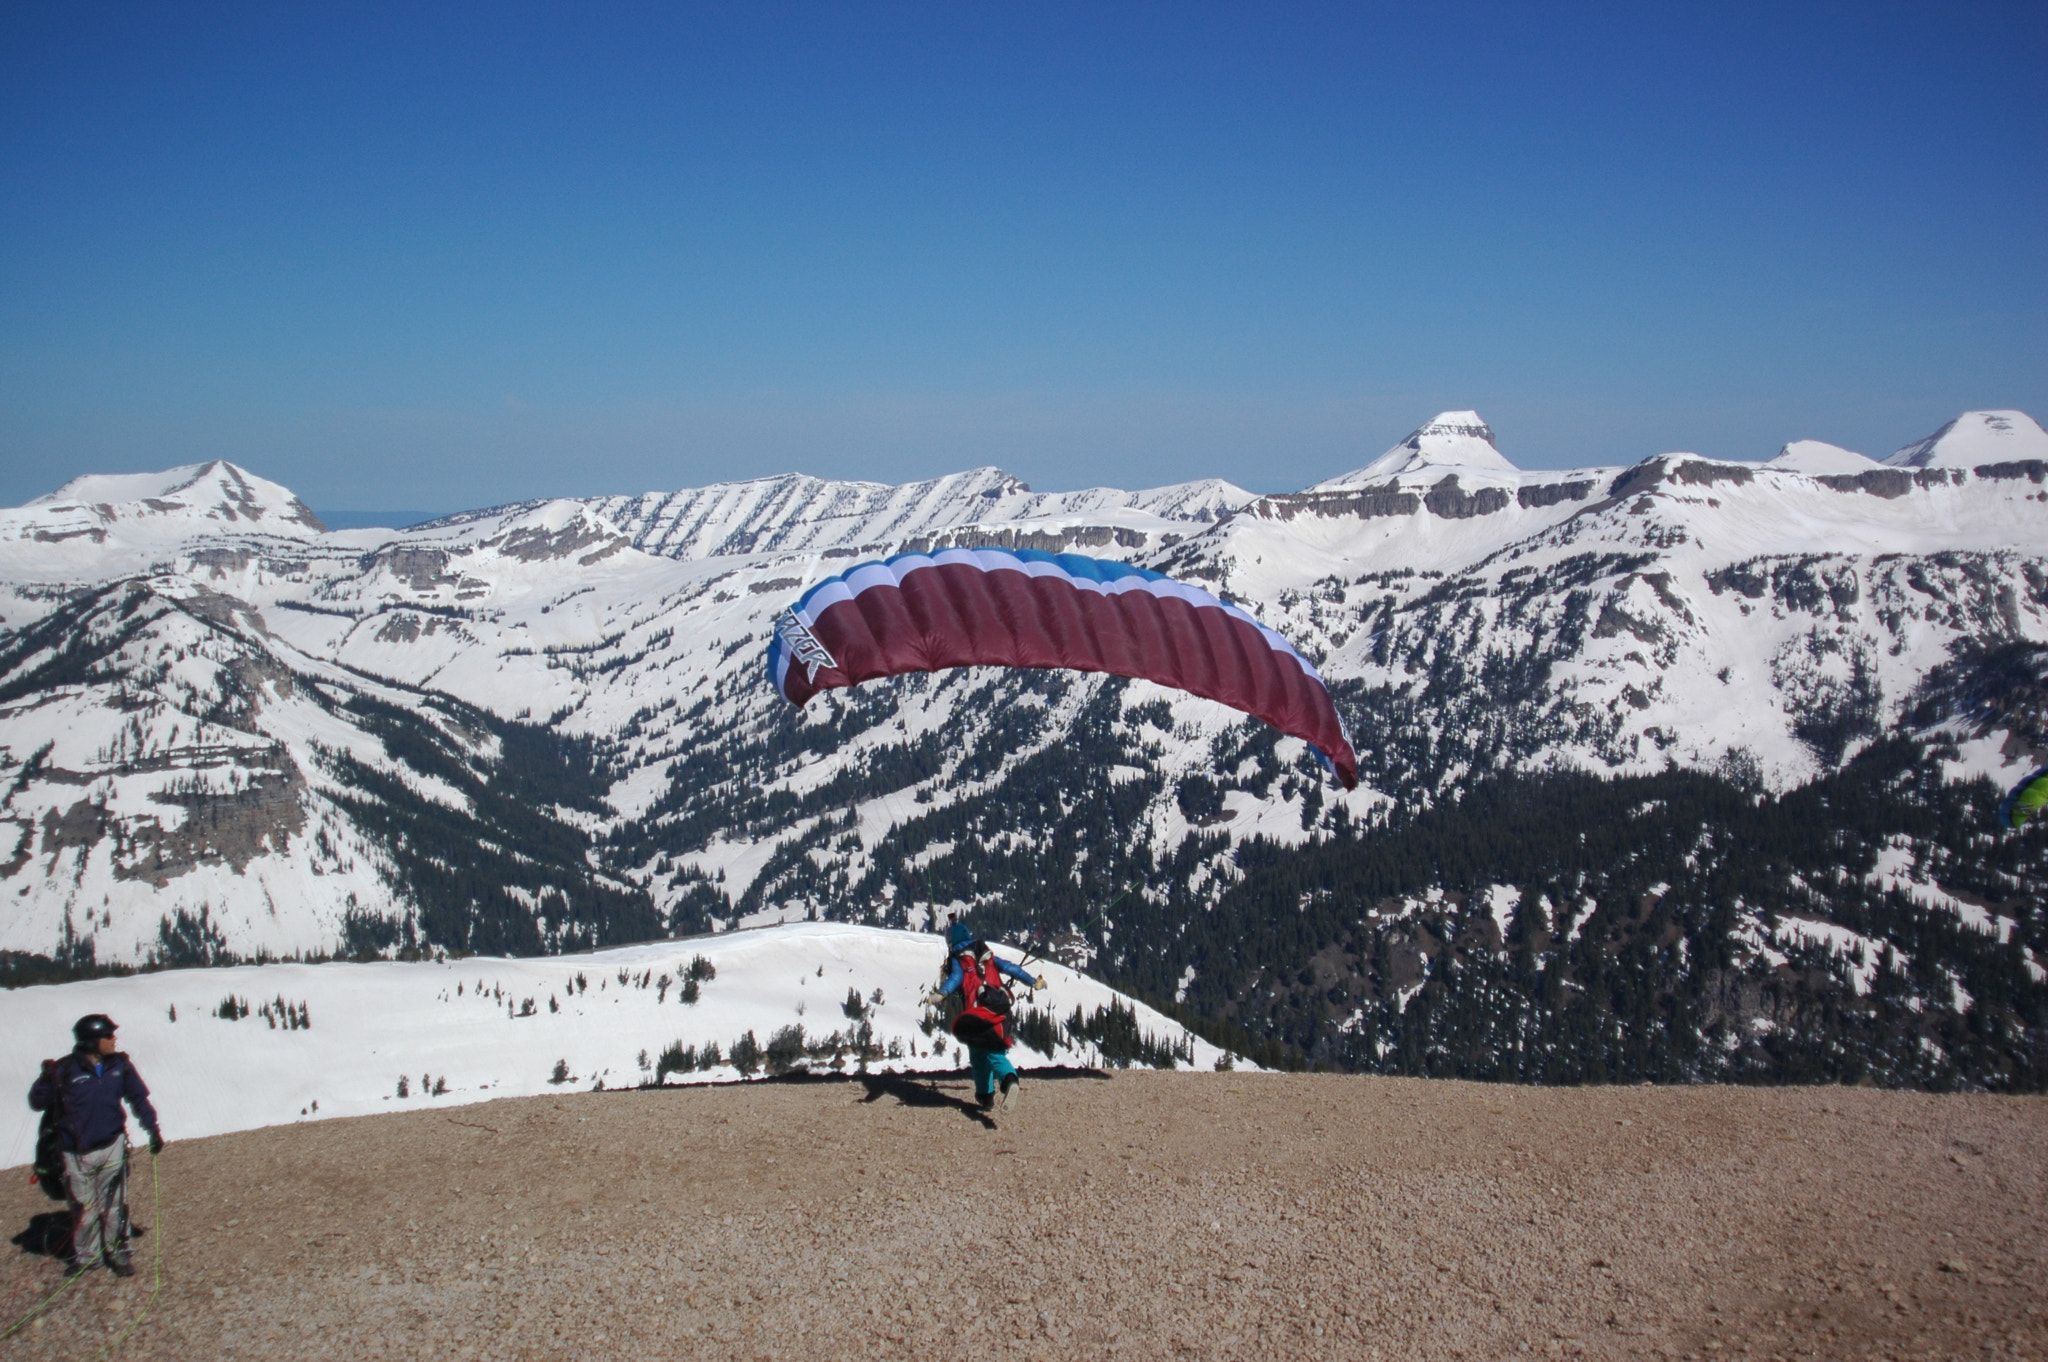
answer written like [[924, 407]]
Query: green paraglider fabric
[[2024, 803]]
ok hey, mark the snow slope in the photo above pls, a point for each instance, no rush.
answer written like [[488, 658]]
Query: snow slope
[[460, 1023]]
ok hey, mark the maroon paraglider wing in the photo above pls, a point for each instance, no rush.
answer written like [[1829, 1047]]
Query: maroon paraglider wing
[[921, 612]]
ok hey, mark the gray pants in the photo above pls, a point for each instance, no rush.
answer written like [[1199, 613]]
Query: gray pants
[[97, 1181]]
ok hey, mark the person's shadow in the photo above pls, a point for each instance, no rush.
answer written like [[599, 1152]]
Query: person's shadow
[[911, 1093], [48, 1234]]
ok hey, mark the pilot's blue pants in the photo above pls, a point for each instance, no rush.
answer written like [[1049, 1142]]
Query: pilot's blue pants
[[990, 1068]]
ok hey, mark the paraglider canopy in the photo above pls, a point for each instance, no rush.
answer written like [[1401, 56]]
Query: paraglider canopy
[[2023, 803], [965, 607]]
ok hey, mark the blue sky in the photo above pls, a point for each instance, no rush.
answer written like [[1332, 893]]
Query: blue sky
[[429, 261]]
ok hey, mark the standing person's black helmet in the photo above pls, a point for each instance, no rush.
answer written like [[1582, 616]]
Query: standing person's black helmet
[[94, 1029]]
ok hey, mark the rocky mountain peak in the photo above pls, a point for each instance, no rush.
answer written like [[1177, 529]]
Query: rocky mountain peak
[[1454, 439]]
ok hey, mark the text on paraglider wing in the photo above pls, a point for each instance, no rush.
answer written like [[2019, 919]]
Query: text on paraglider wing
[[803, 645]]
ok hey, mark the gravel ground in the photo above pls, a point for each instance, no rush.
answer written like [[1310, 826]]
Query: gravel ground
[[1141, 1215]]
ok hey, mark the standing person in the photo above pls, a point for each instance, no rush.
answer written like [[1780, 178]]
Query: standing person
[[86, 1089], [983, 1025]]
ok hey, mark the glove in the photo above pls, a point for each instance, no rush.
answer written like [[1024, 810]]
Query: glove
[[49, 1068], [156, 1143], [1038, 984], [934, 998]]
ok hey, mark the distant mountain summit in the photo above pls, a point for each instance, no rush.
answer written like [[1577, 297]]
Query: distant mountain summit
[[194, 498], [1977, 438], [1457, 440], [1821, 459]]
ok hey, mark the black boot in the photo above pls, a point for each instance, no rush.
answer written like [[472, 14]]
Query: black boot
[[987, 1100], [121, 1267]]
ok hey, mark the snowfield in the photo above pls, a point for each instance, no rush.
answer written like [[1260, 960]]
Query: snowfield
[[466, 1024]]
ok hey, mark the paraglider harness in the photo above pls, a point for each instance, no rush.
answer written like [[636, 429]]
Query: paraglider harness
[[48, 1169], [984, 1023]]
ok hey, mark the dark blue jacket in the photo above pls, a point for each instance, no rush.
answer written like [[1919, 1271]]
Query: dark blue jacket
[[87, 1090]]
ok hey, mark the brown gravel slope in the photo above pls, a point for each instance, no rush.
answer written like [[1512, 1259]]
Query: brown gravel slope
[[1141, 1215]]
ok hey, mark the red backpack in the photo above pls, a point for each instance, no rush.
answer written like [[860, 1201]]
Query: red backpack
[[984, 1022]]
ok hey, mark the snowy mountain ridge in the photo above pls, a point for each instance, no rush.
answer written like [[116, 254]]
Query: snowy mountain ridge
[[796, 512], [544, 727]]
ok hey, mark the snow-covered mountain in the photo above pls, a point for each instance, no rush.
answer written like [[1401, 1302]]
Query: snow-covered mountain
[[1977, 438], [1820, 457], [238, 1048], [179, 503], [796, 513], [545, 727], [1455, 440]]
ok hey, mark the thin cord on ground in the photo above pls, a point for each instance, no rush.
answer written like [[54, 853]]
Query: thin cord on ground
[[40, 1306], [156, 1231]]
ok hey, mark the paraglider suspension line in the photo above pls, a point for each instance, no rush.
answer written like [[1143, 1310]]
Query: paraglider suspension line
[[39, 1307], [156, 1236], [1037, 948], [62, 1287]]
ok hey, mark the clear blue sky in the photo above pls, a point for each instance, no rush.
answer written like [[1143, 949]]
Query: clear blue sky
[[429, 257]]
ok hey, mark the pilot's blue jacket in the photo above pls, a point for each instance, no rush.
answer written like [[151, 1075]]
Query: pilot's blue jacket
[[88, 1090]]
